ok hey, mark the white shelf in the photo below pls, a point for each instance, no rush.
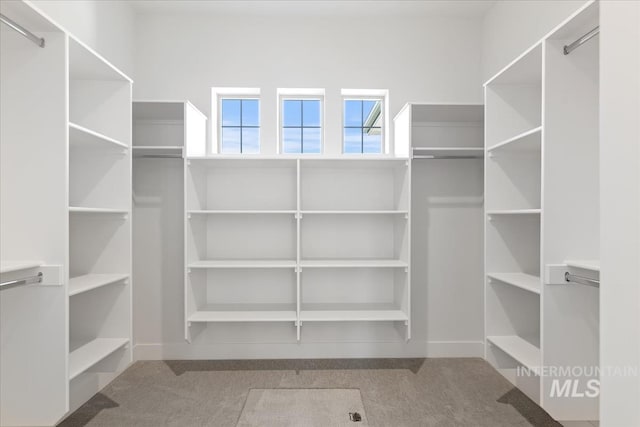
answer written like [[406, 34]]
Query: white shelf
[[237, 263], [448, 152], [86, 64], [13, 266], [527, 141], [356, 315], [528, 282], [353, 263], [593, 264], [519, 349], [80, 136], [514, 212], [354, 212], [239, 212], [245, 313], [88, 282], [77, 209], [86, 356], [157, 150]]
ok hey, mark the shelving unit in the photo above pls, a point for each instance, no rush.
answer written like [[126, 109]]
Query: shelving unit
[[99, 290], [542, 127], [305, 240]]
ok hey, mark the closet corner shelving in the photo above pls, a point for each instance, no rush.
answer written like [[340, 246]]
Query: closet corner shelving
[[542, 204], [99, 286], [277, 239]]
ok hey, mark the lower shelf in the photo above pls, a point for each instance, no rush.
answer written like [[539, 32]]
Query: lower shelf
[[519, 349], [245, 313], [365, 313], [87, 355]]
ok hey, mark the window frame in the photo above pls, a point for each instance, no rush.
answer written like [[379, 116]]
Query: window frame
[[300, 95], [220, 93], [383, 121]]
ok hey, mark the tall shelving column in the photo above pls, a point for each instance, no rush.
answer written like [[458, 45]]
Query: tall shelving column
[[99, 292], [513, 207]]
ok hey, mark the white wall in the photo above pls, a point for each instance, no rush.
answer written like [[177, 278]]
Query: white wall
[[620, 210], [104, 25], [512, 26], [181, 55]]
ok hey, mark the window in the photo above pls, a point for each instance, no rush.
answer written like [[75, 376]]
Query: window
[[235, 120], [363, 126], [301, 120], [240, 125]]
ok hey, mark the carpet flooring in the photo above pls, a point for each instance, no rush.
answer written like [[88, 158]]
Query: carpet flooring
[[395, 392]]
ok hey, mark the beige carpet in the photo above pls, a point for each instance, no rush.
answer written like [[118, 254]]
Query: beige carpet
[[297, 407]]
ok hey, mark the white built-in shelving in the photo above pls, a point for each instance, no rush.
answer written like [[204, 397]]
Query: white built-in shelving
[[85, 356], [542, 127], [88, 282], [80, 137], [281, 240]]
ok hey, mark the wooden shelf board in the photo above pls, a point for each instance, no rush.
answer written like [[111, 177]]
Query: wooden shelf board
[[528, 282], [87, 355], [78, 209], [80, 136], [353, 263], [241, 263], [13, 266], [523, 142], [519, 349], [592, 264], [88, 282], [245, 313]]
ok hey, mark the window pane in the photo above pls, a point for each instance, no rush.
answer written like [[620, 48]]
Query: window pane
[[291, 140], [251, 140], [352, 140], [230, 112], [230, 140], [291, 112], [250, 112], [311, 112], [311, 140], [352, 113], [372, 143], [371, 113]]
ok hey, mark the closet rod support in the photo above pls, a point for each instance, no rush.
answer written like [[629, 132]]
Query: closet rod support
[[20, 29], [572, 278], [19, 282], [570, 47]]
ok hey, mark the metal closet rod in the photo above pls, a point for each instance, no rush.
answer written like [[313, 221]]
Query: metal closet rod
[[568, 277], [19, 28], [24, 281], [576, 44]]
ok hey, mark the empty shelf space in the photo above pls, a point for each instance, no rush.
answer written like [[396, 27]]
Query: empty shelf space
[[244, 263], [80, 136], [519, 349], [523, 142], [87, 282], [87, 355], [245, 313], [355, 212], [448, 152], [593, 265], [238, 212], [351, 313], [13, 266], [78, 209], [514, 212], [353, 263], [528, 282]]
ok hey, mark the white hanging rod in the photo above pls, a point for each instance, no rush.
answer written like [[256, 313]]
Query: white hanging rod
[[429, 157], [19, 28], [570, 47], [24, 281], [572, 278]]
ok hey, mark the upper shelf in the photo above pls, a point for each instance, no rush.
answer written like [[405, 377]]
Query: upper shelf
[[528, 141], [593, 264], [448, 152], [86, 64], [80, 136], [524, 70], [12, 266], [158, 151]]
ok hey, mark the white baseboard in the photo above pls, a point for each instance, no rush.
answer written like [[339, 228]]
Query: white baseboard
[[328, 350]]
